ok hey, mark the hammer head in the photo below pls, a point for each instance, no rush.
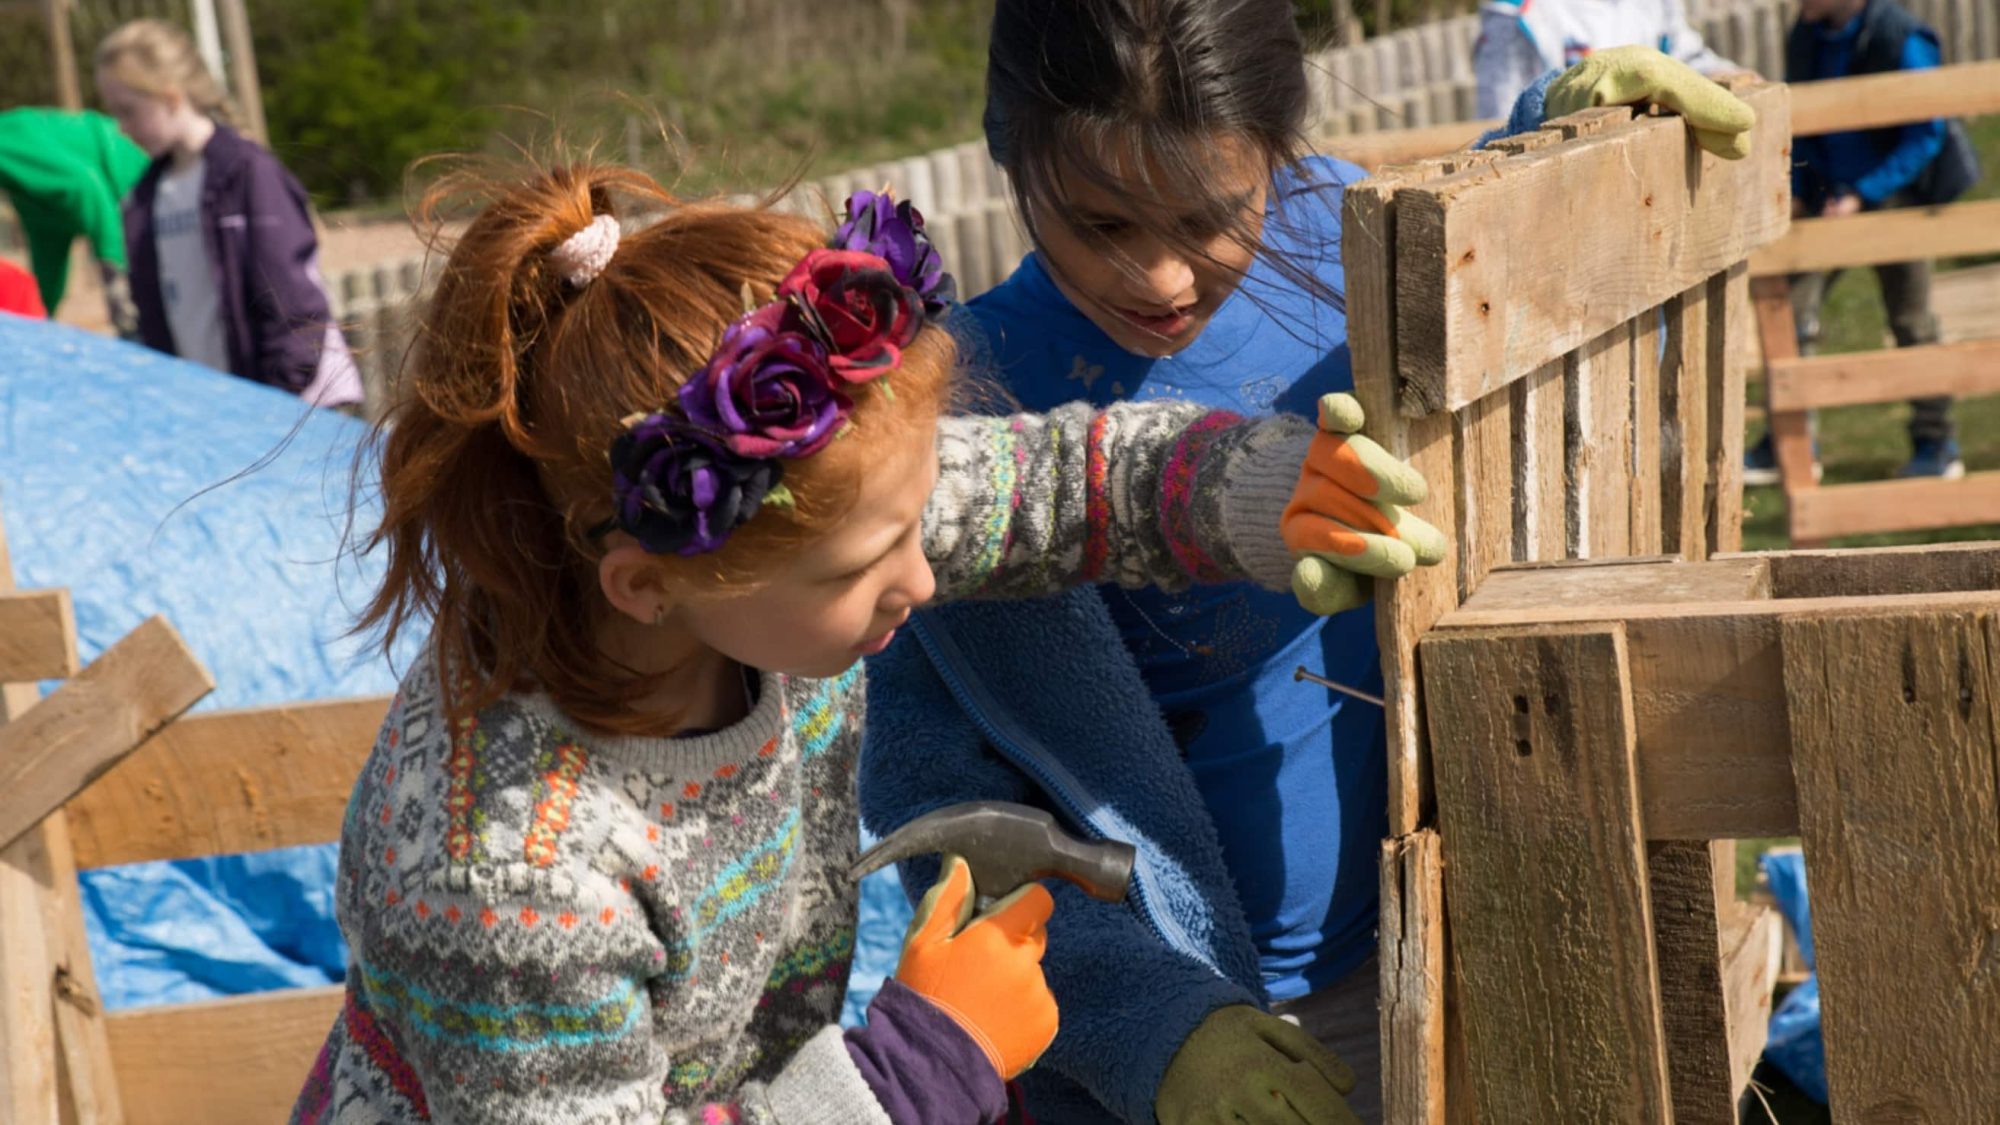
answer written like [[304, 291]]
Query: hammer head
[[1006, 846]]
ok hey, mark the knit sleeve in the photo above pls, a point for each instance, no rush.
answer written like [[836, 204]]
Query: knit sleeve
[[1159, 493]]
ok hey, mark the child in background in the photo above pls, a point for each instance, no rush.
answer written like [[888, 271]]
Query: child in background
[[1521, 40], [224, 259], [65, 173], [1187, 249], [595, 869]]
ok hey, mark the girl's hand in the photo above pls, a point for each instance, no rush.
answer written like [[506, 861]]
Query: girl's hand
[[1642, 75], [985, 975], [1346, 515]]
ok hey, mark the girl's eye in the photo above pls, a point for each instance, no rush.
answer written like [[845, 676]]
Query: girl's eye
[[1107, 228]]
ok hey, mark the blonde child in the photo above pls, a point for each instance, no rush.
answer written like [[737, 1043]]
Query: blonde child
[[224, 261], [595, 869]]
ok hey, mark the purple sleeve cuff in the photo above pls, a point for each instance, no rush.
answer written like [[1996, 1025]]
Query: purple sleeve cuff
[[923, 1067]]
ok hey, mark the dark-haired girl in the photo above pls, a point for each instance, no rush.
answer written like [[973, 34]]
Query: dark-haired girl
[[1187, 248]]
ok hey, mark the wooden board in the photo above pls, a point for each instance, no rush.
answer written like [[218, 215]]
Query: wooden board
[[1895, 505], [89, 1085], [1926, 568], [1541, 512], [1528, 590], [229, 781], [1482, 438], [242, 1059], [1728, 324], [1872, 101], [1684, 426], [1891, 375], [1688, 942], [1895, 744], [129, 692], [1412, 954], [1752, 951], [1903, 235], [37, 636], [1537, 804], [1597, 444], [1644, 497], [1644, 213]]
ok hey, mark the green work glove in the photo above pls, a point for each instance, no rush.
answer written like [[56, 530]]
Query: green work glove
[[1346, 520], [1638, 75], [1242, 1065]]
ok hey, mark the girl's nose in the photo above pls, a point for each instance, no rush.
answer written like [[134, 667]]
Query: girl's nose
[[1162, 278]]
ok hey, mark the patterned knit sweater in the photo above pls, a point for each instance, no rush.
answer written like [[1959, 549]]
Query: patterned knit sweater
[[550, 925]]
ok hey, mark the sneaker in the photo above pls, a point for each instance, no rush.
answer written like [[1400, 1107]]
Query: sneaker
[[1760, 465], [1934, 457]]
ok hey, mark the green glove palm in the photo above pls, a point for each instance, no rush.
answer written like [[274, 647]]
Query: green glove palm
[[1638, 75], [1244, 1066]]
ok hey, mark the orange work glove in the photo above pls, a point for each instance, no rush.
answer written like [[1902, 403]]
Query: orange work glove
[[985, 975], [1347, 520]]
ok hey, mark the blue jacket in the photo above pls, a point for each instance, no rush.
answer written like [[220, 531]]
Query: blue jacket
[[1873, 163], [984, 691]]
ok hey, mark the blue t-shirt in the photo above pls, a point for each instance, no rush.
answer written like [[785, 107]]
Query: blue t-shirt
[[1294, 776]]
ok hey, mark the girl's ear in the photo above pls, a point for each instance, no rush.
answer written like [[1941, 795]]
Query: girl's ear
[[632, 582]]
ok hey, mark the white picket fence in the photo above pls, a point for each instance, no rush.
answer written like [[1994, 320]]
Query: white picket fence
[[1409, 78]]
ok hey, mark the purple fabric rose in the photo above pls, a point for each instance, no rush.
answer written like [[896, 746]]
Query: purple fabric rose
[[864, 314], [894, 232], [769, 390], [680, 490]]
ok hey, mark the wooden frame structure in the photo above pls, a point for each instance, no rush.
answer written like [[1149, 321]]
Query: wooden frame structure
[[99, 773], [1798, 385]]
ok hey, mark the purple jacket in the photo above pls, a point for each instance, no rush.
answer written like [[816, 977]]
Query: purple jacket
[[276, 319]]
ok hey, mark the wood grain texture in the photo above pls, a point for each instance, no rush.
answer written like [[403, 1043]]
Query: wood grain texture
[[1728, 322], [1541, 511], [37, 636], [242, 1059], [1752, 950], [229, 781], [1648, 340], [1538, 807], [1869, 239], [1895, 505], [1927, 568], [1894, 742], [1791, 437], [1597, 444], [89, 1085], [102, 714], [1529, 591], [1645, 214], [1684, 426], [1483, 455], [1687, 936], [1971, 367], [1413, 970]]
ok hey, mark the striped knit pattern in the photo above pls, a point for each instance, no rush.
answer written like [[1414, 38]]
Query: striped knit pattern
[[550, 925]]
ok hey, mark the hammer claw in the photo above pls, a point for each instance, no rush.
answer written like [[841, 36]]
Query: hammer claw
[[1006, 846]]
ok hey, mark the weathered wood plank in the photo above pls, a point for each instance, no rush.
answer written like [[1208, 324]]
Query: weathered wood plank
[[1537, 804], [1895, 745], [89, 1090], [1530, 590], [1597, 437], [169, 1058], [127, 694], [1971, 367], [1902, 235], [1541, 513], [1413, 972], [1649, 215], [37, 636], [1895, 505], [1647, 523], [1684, 427], [1872, 101], [229, 781], [1482, 438], [1752, 951], [1687, 937], [1926, 568], [1728, 321]]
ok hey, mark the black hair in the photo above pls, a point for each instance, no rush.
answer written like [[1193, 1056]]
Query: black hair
[[1078, 88]]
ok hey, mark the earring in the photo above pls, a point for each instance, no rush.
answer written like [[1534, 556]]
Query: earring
[[659, 615]]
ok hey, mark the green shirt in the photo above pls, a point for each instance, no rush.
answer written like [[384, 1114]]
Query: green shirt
[[65, 173]]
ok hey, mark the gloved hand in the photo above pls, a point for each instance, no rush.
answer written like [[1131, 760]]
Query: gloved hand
[[985, 975], [1634, 75], [118, 302], [1242, 1065], [1346, 515]]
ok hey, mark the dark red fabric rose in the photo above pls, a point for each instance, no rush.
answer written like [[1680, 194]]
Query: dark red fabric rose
[[865, 315]]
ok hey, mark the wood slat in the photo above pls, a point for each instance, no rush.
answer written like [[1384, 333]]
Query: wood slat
[[1684, 426], [1752, 952], [1541, 514], [1644, 497], [1688, 943], [1895, 745], [1649, 215], [1537, 804], [1891, 375], [1927, 568], [126, 695], [1729, 322], [229, 781], [37, 636], [1902, 235], [1597, 444], [1895, 505], [239, 1059], [1898, 98], [1374, 151], [1482, 436], [1413, 967]]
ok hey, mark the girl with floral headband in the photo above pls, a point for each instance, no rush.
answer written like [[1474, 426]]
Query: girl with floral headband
[[595, 868]]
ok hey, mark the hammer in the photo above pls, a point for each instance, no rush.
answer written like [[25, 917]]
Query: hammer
[[1007, 846]]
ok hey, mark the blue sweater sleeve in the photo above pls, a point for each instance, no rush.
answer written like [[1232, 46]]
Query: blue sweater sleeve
[[1917, 144], [1528, 110]]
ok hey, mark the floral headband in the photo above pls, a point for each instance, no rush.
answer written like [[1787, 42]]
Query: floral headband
[[779, 386]]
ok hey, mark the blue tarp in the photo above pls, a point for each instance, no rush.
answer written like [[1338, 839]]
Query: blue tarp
[[146, 485], [1795, 1046]]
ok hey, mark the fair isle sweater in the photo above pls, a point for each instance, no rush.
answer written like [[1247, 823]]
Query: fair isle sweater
[[552, 925]]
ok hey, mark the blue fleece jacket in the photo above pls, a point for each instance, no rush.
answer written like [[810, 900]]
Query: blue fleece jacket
[[1838, 162]]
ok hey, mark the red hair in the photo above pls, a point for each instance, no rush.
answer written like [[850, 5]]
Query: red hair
[[494, 458]]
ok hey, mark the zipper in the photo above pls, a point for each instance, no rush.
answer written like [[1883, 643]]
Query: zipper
[[945, 656]]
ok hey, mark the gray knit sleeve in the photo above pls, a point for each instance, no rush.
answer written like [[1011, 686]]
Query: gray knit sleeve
[[1159, 493]]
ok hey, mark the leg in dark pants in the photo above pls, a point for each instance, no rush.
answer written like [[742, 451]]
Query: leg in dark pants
[[1906, 293]]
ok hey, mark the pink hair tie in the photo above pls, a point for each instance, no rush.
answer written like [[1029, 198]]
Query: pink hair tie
[[583, 255]]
